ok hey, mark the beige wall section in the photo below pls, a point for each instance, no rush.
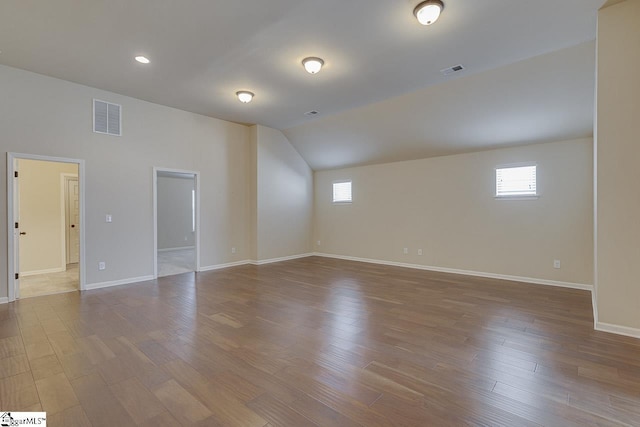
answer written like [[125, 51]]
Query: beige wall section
[[618, 152], [284, 201], [446, 207], [47, 116], [175, 216], [42, 215], [252, 155]]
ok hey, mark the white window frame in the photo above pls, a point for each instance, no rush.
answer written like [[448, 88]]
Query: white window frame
[[515, 196], [341, 202]]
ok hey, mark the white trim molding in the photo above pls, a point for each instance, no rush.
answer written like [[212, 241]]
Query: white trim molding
[[617, 329], [47, 271], [594, 305], [92, 286], [227, 265], [4, 300], [176, 249], [532, 280], [254, 262], [280, 259]]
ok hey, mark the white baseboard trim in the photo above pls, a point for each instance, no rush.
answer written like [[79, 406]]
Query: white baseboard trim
[[4, 300], [594, 305], [46, 271], [227, 265], [464, 272], [617, 329], [176, 249], [92, 286], [284, 258], [253, 262]]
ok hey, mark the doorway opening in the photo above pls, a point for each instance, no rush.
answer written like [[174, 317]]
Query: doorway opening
[[176, 222], [45, 225]]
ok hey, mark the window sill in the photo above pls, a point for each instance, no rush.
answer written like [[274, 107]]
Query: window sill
[[532, 197]]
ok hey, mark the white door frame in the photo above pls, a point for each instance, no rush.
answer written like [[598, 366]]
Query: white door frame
[[11, 252], [64, 186], [196, 176]]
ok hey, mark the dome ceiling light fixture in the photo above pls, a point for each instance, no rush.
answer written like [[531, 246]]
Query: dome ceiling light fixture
[[312, 64], [428, 11], [142, 59], [244, 96]]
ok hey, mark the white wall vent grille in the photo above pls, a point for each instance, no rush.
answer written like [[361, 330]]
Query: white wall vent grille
[[107, 118]]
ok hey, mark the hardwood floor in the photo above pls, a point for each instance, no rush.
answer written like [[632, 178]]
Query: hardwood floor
[[317, 342]]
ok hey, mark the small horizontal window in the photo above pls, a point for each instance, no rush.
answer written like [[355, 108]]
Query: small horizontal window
[[517, 181], [342, 192]]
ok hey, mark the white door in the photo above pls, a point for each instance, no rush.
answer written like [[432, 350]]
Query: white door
[[72, 221]]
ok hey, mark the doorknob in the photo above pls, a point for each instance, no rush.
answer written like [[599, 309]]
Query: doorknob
[[23, 233], [73, 226]]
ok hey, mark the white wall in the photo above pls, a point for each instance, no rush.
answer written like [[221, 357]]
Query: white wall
[[257, 192], [445, 206], [284, 196], [175, 213], [42, 249], [618, 176], [47, 116]]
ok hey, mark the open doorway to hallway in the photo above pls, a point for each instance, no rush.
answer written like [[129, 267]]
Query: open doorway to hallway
[[48, 210], [176, 222], [45, 211]]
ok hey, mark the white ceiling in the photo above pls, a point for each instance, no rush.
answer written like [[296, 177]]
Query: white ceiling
[[379, 62], [546, 98]]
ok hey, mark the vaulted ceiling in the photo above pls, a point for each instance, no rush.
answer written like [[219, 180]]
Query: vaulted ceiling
[[529, 67]]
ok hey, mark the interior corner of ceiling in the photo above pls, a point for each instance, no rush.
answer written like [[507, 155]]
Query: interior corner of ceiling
[[609, 3]]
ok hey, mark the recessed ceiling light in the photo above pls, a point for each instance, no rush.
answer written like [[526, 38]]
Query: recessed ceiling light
[[428, 11], [312, 64], [244, 96], [142, 59]]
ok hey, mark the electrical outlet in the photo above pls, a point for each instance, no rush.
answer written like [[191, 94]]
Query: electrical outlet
[[419, 251], [108, 218], [406, 251], [233, 250], [556, 263], [102, 265], [318, 242]]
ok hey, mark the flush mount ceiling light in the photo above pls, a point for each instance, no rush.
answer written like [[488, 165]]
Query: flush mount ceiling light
[[312, 64], [428, 11], [244, 96], [142, 59]]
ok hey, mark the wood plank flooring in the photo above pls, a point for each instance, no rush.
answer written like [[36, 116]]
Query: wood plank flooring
[[317, 342]]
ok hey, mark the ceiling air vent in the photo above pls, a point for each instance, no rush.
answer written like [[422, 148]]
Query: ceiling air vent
[[452, 70], [311, 113], [106, 118]]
